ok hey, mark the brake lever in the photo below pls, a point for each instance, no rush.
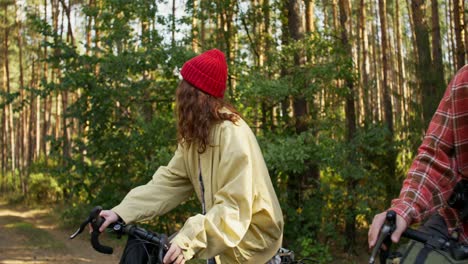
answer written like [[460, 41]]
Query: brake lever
[[92, 215], [384, 236]]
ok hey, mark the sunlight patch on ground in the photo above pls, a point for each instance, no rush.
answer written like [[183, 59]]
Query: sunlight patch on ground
[[25, 214], [28, 214]]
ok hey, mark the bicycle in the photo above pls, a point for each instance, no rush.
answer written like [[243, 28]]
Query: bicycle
[[437, 249], [156, 245]]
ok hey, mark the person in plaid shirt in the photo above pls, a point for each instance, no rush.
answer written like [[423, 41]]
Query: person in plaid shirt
[[441, 162]]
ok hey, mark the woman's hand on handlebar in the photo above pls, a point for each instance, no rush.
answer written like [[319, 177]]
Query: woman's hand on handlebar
[[109, 216], [377, 224], [174, 255]]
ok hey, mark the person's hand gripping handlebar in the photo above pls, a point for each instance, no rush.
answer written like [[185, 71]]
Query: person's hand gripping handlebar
[[386, 231]]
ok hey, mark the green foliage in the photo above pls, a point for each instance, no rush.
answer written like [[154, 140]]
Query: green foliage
[[43, 188], [313, 249], [286, 154], [372, 154]]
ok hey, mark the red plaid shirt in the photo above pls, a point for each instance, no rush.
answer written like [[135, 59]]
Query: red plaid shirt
[[441, 161]]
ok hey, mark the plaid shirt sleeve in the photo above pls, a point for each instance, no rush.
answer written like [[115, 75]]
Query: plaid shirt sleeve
[[434, 171]]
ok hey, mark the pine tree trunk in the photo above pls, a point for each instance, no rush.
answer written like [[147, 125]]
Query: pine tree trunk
[[173, 24], [375, 92], [401, 67], [4, 151], [424, 70], [23, 165], [335, 15], [202, 24], [464, 19], [11, 135], [350, 219], [450, 31], [32, 114], [296, 30], [388, 109], [67, 129], [285, 103], [309, 14], [42, 114], [460, 46], [195, 30], [438, 66], [364, 48]]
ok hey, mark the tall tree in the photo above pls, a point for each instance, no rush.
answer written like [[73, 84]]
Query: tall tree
[[424, 71], [23, 124], [438, 66], [173, 23], [458, 28], [296, 30], [450, 30], [401, 77], [65, 95], [350, 221], [42, 114], [10, 124], [364, 65], [388, 109], [309, 15], [4, 138], [465, 22], [195, 30]]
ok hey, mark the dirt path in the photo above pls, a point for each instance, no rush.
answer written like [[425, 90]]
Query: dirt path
[[32, 236]]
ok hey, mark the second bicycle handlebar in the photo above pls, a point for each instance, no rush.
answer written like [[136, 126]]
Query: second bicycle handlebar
[[457, 250]]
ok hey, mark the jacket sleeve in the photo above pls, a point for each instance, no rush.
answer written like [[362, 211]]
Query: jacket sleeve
[[226, 223], [169, 187], [431, 177]]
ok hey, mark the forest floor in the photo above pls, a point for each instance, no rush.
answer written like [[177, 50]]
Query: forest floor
[[34, 235]]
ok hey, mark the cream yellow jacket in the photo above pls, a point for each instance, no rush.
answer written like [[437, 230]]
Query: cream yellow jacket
[[243, 221]]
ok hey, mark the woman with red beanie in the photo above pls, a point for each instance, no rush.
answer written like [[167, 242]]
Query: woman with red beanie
[[219, 159]]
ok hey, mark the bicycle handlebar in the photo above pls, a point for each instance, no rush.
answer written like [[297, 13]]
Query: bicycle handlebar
[[120, 228], [96, 221], [384, 237], [96, 224]]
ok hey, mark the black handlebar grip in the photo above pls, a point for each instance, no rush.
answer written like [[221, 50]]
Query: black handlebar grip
[[417, 235], [97, 246], [390, 225], [96, 224], [384, 238], [163, 248], [95, 212]]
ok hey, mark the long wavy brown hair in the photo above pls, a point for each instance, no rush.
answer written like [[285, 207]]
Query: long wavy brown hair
[[197, 113]]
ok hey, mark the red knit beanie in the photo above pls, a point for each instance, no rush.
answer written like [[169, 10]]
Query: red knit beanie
[[207, 72]]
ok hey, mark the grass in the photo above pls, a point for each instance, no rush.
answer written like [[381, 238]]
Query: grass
[[37, 237]]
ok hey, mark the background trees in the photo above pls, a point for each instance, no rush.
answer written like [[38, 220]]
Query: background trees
[[338, 92]]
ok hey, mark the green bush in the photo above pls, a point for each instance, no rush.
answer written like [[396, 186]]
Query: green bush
[[43, 189]]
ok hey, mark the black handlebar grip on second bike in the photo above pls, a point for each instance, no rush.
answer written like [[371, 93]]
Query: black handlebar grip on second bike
[[384, 238]]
